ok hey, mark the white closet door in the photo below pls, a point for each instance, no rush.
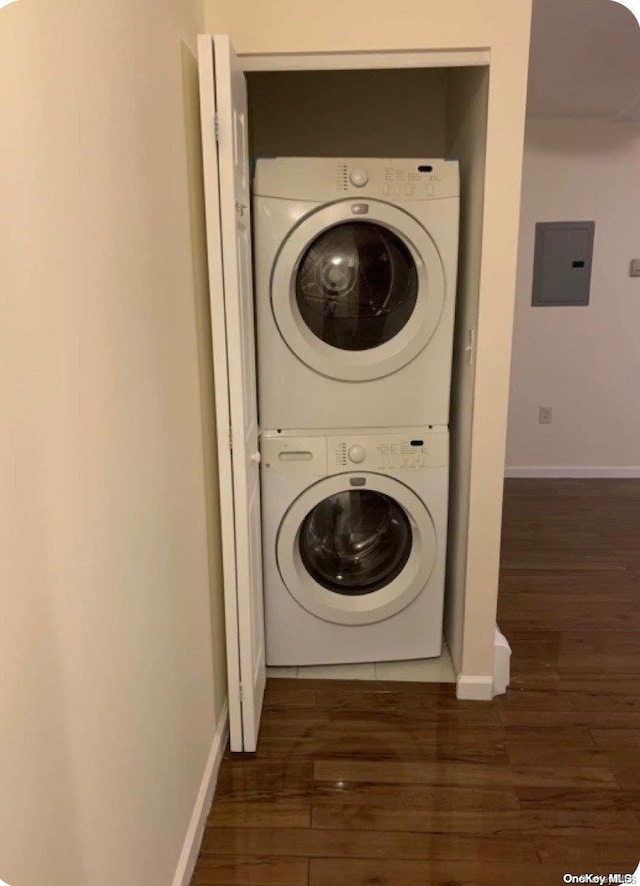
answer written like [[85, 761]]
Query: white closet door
[[223, 98]]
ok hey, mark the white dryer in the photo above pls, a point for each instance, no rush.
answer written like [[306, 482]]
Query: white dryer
[[355, 281], [354, 545]]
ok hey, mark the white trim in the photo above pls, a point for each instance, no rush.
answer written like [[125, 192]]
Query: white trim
[[195, 831], [323, 61], [578, 473], [501, 663], [474, 688]]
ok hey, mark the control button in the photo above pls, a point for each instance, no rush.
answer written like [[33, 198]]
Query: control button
[[359, 178], [357, 454]]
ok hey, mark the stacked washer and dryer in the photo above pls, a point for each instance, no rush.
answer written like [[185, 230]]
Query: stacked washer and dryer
[[355, 282]]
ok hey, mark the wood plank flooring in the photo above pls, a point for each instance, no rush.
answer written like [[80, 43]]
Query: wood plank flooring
[[401, 785]]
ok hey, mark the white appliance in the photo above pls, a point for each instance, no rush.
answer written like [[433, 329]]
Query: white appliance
[[355, 284], [354, 544]]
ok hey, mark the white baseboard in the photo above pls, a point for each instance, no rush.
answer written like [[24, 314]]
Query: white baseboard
[[474, 688], [501, 663], [484, 688], [195, 831], [576, 473]]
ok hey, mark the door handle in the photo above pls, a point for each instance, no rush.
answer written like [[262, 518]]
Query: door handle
[[470, 349]]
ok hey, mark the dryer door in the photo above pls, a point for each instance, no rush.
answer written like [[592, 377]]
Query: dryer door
[[357, 548], [358, 290]]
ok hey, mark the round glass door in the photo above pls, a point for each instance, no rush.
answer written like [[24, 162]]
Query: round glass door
[[356, 286], [357, 299], [355, 542], [356, 550]]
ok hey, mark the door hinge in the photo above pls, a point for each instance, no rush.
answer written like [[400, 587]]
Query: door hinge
[[216, 127]]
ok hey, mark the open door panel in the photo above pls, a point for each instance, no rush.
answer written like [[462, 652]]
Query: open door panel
[[223, 101]]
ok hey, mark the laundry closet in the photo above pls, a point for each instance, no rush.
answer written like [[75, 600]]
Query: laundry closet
[[386, 109]]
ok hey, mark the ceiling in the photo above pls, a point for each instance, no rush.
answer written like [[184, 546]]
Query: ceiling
[[585, 60]]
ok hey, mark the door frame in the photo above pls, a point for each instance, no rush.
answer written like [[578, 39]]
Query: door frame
[[479, 57], [470, 57], [354, 61]]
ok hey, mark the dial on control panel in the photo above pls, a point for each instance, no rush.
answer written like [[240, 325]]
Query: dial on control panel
[[359, 177], [357, 454]]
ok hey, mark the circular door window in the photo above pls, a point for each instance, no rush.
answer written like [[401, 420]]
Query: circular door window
[[356, 286], [357, 299], [355, 542], [356, 555]]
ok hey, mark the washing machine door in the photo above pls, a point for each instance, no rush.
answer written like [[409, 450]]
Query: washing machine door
[[357, 290], [356, 549]]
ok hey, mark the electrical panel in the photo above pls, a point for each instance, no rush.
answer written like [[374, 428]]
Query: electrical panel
[[562, 264]]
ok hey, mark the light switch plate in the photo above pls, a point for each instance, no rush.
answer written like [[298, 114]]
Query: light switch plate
[[634, 270]]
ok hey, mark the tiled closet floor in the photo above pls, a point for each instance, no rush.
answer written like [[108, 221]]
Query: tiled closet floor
[[425, 670]]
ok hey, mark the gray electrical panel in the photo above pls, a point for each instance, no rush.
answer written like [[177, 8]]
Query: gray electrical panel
[[562, 264]]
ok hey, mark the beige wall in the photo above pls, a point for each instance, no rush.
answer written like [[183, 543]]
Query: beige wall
[[363, 25], [583, 362], [107, 557], [503, 27]]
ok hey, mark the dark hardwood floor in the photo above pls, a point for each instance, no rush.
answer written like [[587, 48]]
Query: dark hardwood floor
[[400, 784]]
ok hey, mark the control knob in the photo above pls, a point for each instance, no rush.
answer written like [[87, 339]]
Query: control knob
[[357, 454], [359, 177]]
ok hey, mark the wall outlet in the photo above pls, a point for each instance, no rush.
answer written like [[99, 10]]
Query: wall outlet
[[545, 415]]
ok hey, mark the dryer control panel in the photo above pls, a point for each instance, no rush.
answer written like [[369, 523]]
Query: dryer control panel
[[394, 180], [323, 179]]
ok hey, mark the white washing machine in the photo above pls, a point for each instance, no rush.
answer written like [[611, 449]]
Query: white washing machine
[[354, 544], [355, 282]]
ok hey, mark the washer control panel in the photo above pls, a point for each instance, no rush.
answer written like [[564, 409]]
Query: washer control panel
[[317, 455], [414, 451]]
